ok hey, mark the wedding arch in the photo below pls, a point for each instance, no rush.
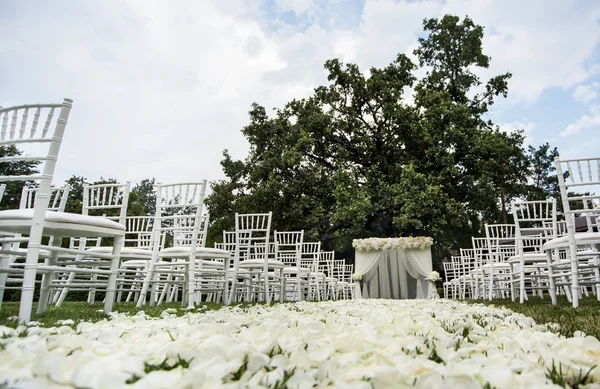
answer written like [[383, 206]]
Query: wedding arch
[[392, 268]]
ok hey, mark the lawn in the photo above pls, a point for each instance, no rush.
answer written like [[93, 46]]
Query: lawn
[[586, 318]]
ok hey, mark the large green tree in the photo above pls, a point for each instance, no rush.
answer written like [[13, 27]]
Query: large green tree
[[358, 159]]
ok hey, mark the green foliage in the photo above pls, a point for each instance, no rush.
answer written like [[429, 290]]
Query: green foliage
[[544, 181], [357, 159], [142, 198], [12, 193]]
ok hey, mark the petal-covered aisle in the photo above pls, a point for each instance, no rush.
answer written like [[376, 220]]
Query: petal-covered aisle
[[344, 344]]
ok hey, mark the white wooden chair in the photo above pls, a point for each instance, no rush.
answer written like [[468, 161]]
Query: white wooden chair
[[57, 203], [481, 254], [264, 274], [176, 267], [326, 267], [108, 201], [201, 269], [535, 222], [38, 222], [501, 244], [450, 284], [575, 175], [311, 251], [288, 249]]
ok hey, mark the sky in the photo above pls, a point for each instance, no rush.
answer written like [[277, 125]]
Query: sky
[[161, 88]]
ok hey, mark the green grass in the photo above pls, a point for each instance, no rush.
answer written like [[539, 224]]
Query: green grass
[[82, 311], [586, 318]]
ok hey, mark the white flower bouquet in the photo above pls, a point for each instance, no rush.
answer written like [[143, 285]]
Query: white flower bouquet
[[411, 242], [356, 277], [434, 276]]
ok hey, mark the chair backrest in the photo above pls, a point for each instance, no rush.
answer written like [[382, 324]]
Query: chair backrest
[[535, 221], [501, 241], [469, 263], [448, 270], [480, 250], [228, 243], [138, 231], [36, 128], [310, 255], [575, 175], [288, 246], [326, 262], [252, 232], [338, 268], [179, 214], [57, 202], [457, 266], [183, 236], [106, 197], [348, 271]]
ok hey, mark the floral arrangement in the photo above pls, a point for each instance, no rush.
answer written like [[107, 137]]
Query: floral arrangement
[[434, 276], [411, 242], [356, 277]]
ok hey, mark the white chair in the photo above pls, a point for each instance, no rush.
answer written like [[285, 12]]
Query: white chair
[[535, 222], [450, 285], [501, 244], [264, 274], [326, 267], [480, 252], [468, 271], [57, 203], [200, 269], [581, 247], [38, 222], [311, 252], [108, 201], [288, 249]]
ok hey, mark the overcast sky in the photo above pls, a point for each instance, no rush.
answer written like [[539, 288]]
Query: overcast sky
[[160, 88]]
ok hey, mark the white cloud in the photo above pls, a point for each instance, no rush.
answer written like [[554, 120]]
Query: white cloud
[[586, 93], [527, 129], [160, 89], [584, 122]]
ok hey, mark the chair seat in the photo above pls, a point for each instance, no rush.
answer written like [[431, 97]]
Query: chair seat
[[497, 266], [257, 263], [126, 252], [582, 238], [64, 224], [294, 270], [528, 257], [201, 252]]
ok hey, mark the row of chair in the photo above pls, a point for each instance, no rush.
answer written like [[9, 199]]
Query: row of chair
[[155, 258], [546, 249]]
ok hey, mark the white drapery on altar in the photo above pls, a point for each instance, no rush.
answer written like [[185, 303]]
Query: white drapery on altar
[[393, 273]]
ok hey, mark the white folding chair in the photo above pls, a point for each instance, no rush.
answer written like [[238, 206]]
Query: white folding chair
[[535, 222], [197, 269], [252, 248], [581, 248], [57, 203], [288, 249], [501, 244], [107, 201], [38, 222]]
